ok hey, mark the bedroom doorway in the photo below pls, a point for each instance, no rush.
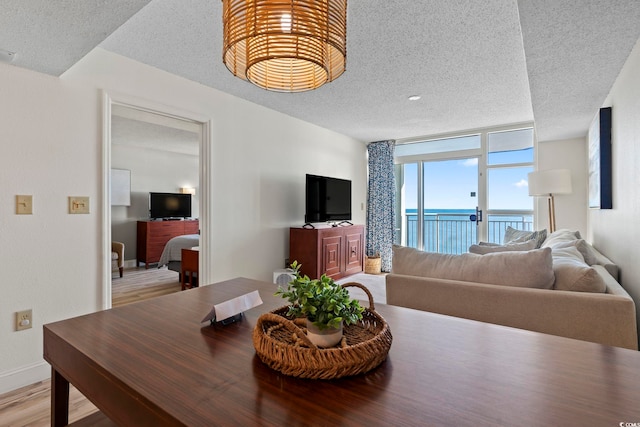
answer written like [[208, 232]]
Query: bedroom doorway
[[162, 150]]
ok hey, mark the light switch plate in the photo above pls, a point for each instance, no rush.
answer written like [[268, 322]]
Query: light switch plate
[[24, 205], [78, 205]]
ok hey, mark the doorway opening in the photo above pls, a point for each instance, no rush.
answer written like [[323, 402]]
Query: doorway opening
[[162, 150]]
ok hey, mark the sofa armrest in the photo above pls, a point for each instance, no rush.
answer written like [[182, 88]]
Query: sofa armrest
[[602, 318]]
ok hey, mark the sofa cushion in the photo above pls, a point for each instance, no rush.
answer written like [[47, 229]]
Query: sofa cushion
[[573, 274], [488, 249], [531, 269], [511, 235]]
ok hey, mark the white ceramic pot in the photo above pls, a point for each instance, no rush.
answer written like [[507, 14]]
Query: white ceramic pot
[[323, 338]]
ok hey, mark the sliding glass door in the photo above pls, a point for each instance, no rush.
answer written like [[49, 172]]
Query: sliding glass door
[[454, 192], [439, 198]]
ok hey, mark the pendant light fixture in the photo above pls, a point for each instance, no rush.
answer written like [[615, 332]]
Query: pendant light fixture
[[285, 45]]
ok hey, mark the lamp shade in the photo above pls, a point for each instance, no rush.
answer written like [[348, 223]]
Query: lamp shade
[[285, 45], [555, 181]]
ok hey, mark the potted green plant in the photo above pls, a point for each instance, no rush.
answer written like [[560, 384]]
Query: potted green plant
[[326, 305]]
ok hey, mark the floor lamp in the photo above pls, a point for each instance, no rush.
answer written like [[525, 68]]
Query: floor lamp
[[547, 183]]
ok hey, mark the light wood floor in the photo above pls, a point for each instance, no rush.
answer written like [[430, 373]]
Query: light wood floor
[[30, 405], [139, 284]]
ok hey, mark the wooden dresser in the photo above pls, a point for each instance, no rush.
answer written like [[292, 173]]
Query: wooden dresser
[[335, 251], [153, 235]]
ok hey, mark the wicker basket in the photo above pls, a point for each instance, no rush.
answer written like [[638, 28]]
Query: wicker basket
[[372, 264], [282, 345]]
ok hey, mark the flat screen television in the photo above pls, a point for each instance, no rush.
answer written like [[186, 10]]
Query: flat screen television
[[327, 199], [169, 205]]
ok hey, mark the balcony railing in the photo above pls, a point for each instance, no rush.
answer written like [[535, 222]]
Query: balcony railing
[[452, 233]]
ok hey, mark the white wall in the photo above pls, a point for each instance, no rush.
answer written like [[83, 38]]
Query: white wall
[[151, 170], [571, 209], [50, 260], [616, 232], [51, 147]]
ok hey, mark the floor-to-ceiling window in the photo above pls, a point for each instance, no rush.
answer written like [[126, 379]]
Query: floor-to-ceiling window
[[510, 157], [455, 191]]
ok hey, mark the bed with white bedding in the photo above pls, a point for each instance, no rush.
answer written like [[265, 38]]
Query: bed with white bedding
[[172, 253]]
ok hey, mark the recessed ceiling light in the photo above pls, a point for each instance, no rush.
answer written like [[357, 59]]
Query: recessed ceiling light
[[414, 97]]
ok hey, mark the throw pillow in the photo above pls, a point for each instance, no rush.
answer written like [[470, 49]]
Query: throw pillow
[[573, 274], [531, 269], [486, 249], [586, 250], [590, 254], [511, 235], [561, 236], [593, 257]]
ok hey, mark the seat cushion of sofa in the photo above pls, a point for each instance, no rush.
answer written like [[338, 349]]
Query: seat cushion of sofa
[[531, 269]]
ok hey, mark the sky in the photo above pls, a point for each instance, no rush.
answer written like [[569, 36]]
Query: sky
[[449, 183]]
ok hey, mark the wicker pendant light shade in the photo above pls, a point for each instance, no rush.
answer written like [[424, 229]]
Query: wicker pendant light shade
[[285, 45]]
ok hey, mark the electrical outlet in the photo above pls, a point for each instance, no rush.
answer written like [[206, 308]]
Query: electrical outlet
[[24, 320]]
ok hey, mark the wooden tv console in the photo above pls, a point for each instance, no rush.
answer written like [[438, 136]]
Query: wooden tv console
[[335, 251], [153, 235]]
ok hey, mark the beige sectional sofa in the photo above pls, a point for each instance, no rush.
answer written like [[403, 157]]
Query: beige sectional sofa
[[526, 289]]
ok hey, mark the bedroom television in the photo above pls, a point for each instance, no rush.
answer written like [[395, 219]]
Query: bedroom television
[[327, 199], [169, 205]]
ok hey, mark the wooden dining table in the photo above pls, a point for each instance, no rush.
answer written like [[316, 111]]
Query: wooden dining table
[[154, 363]]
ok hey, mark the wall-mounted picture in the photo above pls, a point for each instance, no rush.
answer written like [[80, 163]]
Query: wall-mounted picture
[[120, 187], [600, 174]]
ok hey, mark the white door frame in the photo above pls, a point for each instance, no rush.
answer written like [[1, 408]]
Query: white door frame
[[112, 98]]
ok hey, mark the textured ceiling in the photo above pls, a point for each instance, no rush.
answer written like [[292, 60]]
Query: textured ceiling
[[466, 61], [50, 36], [475, 63], [575, 50]]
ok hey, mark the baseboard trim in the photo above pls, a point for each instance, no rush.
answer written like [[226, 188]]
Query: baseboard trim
[[24, 376], [130, 263]]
